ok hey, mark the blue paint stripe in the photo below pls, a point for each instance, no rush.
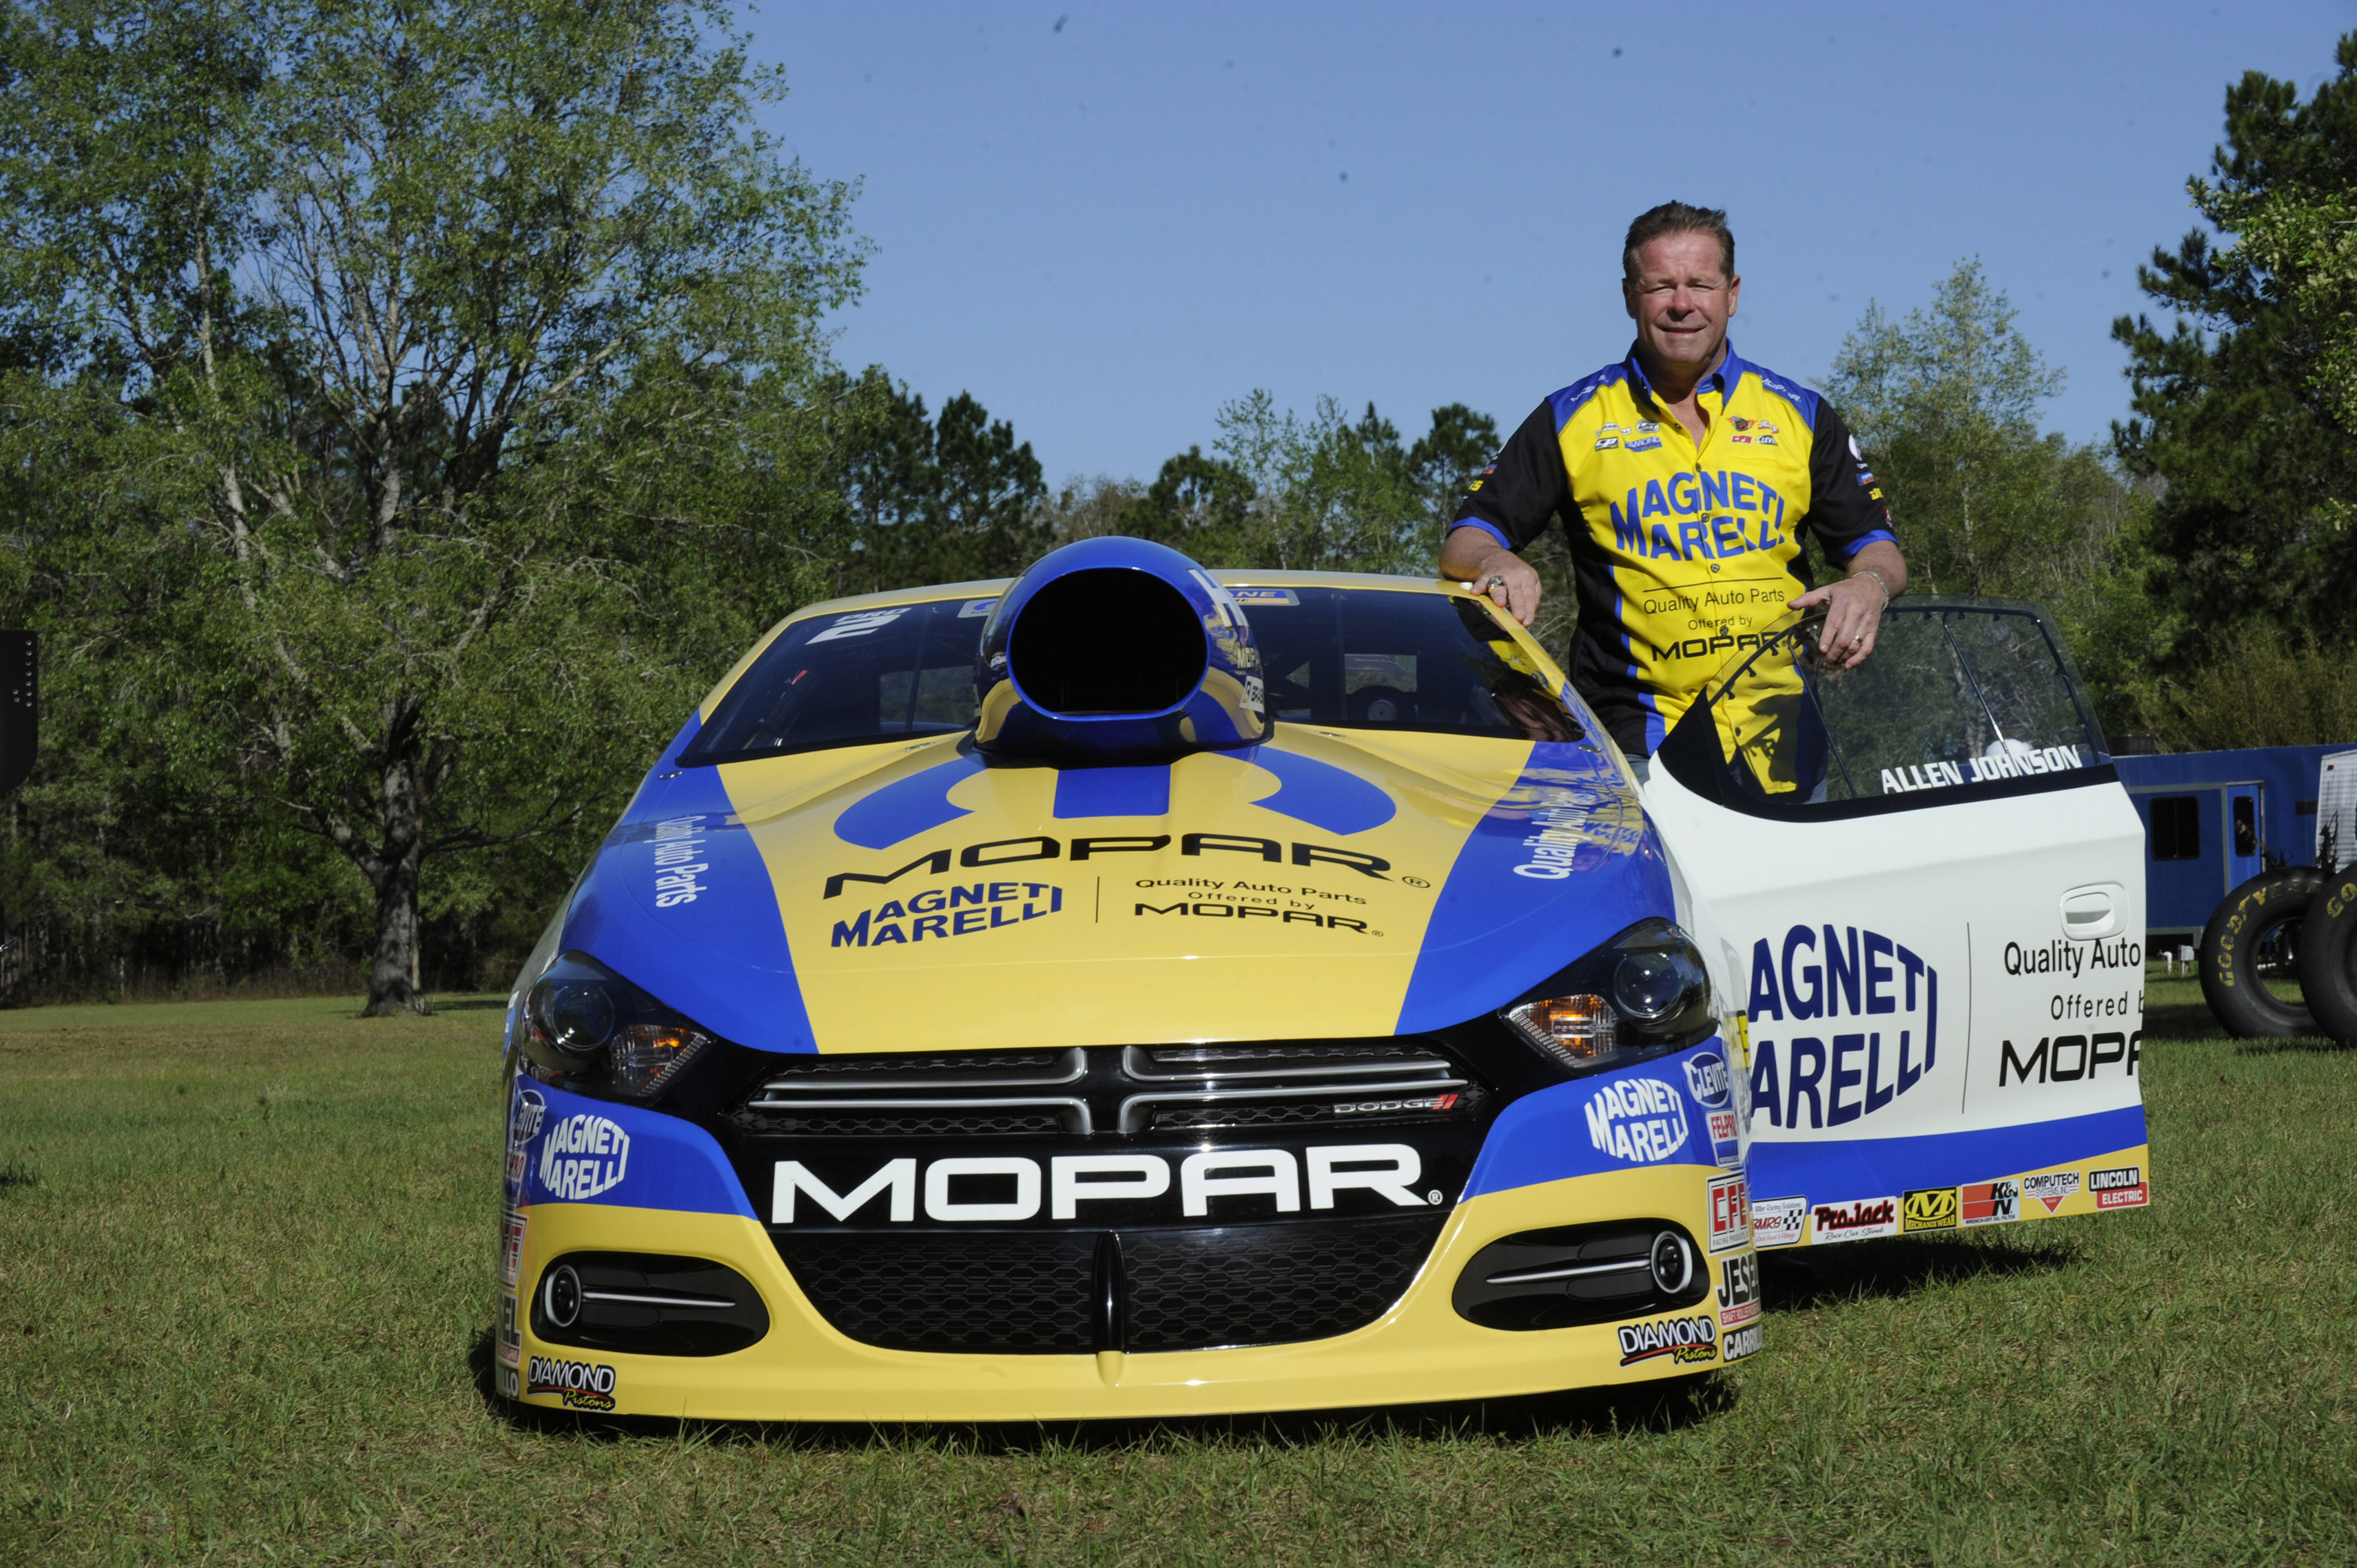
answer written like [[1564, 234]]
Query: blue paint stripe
[[1496, 931], [721, 958], [1114, 792], [1545, 1136], [1319, 793], [906, 807], [1885, 1167], [658, 1161]]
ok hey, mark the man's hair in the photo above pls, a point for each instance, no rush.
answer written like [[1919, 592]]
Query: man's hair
[[1677, 218]]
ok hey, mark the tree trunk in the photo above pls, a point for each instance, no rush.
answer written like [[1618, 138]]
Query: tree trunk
[[401, 838]]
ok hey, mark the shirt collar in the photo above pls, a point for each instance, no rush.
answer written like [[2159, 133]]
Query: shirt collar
[[1723, 381]]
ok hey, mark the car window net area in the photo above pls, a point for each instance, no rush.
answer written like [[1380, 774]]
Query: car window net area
[[1344, 658], [1374, 659], [1956, 693], [850, 679]]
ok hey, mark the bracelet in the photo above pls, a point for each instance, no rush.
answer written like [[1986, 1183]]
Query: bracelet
[[1870, 572]]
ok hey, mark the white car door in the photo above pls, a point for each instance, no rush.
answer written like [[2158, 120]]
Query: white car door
[[1925, 885]]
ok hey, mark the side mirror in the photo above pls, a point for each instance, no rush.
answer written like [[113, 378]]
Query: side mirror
[[20, 706]]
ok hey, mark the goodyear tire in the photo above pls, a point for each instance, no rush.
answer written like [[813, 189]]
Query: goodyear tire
[[2249, 955], [2328, 957]]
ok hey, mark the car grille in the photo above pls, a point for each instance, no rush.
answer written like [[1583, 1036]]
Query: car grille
[[986, 1289], [1131, 1089]]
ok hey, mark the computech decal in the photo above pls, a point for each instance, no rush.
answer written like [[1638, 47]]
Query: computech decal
[[1684, 1340], [1844, 1022], [2121, 1188], [581, 1385], [1779, 1221], [2051, 1188], [1859, 1220]]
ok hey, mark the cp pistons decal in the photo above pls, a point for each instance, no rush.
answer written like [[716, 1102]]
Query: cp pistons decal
[[581, 1385], [1640, 1119], [1845, 1023], [1684, 1340]]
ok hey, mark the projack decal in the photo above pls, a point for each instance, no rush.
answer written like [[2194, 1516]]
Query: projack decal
[[1040, 846], [1857, 1220], [1816, 976], [940, 913]]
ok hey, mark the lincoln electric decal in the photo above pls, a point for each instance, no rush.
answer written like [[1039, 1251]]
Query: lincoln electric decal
[[1844, 1022]]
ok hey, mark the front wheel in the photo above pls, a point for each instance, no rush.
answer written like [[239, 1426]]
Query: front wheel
[[2328, 957], [2250, 950]]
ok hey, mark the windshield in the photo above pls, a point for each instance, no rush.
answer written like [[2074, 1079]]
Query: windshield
[[1343, 657]]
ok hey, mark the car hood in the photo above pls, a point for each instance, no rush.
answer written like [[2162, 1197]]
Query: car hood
[[1323, 884]]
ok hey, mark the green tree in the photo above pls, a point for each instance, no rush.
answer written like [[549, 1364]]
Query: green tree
[[2242, 407], [421, 351], [1944, 403], [932, 501]]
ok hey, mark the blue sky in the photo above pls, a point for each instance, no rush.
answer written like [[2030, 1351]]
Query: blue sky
[[1106, 221]]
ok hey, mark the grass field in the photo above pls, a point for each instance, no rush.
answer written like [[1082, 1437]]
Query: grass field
[[245, 1265]]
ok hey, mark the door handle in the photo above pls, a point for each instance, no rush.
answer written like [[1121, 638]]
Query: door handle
[[2093, 911]]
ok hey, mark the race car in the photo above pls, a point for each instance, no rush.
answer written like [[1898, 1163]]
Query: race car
[[1142, 991]]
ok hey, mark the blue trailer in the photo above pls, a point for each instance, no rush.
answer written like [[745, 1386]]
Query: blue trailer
[[2216, 819]]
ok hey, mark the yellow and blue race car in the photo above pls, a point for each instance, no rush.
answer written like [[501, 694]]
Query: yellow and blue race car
[[1140, 991]]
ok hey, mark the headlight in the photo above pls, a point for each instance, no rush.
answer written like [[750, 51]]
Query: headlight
[[1641, 994], [587, 1028]]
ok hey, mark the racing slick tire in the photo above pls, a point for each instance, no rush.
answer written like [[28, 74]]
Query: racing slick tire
[[2328, 957], [2248, 955]]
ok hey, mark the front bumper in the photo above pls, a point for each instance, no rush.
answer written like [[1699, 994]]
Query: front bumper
[[1419, 1351]]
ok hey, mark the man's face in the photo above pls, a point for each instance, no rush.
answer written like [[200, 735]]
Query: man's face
[[1681, 299]]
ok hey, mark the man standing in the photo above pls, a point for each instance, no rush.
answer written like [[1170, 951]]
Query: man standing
[[1687, 478]]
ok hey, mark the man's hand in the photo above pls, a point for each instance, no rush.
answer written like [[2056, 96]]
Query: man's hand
[[1855, 604], [1471, 555]]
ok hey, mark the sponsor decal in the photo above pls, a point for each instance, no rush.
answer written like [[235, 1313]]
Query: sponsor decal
[[1245, 911], [2121, 1188], [1730, 1213], [1642, 444], [582, 1385], [1818, 978], [1739, 1292], [510, 1385], [1779, 1221], [1266, 597], [1857, 1220], [1566, 821], [512, 1249], [985, 1189], [1642, 1120], [678, 845], [1740, 423], [973, 609], [1741, 440], [1648, 426], [859, 623], [1766, 440], [1739, 1343], [940, 913], [1606, 443], [2068, 1058], [1726, 1137], [582, 1156], [511, 1331], [1681, 1339], [1991, 1203], [524, 1124], [2024, 764], [1706, 1078], [2051, 1189], [1041, 846], [1766, 427], [1929, 1208]]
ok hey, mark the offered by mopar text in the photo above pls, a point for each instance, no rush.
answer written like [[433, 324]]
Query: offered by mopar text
[[1135, 990]]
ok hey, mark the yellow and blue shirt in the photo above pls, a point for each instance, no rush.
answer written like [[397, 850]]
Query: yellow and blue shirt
[[1682, 554]]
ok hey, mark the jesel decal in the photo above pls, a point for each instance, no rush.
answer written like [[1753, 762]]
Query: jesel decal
[[1821, 973]]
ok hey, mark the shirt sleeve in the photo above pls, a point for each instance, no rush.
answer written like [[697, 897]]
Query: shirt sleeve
[[1516, 496], [1846, 511]]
